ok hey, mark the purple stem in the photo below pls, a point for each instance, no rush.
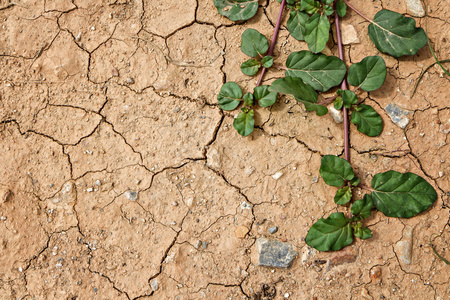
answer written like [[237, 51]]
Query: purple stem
[[357, 11], [274, 40], [343, 87]]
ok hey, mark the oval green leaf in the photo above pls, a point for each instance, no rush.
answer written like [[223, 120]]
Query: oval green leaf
[[343, 196], [244, 122], [363, 233], [296, 24], [335, 170], [250, 67], [338, 103], [264, 97], [229, 96], [362, 207], [332, 233], [302, 92], [369, 74], [367, 120], [267, 61], [341, 8], [248, 99], [401, 195], [328, 10], [317, 32], [320, 71], [237, 10], [396, 34], [254, 43], [349, 98], [310, 6]]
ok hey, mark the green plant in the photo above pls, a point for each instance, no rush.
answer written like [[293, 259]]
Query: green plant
[[309, 72]]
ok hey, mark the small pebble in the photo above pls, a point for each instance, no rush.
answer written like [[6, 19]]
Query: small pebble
[[277, 175], [154, 284], [273, 229], [114, 72], [130, 80], [286, 295], [131, 195], [175, 203], [204, 245]]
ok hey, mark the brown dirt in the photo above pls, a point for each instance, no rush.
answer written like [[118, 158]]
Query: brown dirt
[[105, 101]]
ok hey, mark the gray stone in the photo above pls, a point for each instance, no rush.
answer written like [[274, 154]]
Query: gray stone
[[398, 115], [404, 247], [273, 229], [415, 8], [131, 195], [154, 284], [273, 253]]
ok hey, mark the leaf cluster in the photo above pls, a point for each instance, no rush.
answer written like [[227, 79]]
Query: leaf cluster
[[394, 194]]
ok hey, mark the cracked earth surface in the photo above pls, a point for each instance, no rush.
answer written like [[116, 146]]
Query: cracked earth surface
[[120, 178]]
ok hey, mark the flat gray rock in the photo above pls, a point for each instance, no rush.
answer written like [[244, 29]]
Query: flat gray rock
[[273, 253], [398, 115]]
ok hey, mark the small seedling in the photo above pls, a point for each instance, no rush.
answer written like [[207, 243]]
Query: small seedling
[[309, 72]]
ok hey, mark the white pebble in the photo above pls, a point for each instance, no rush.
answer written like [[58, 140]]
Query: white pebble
[[277, 175]]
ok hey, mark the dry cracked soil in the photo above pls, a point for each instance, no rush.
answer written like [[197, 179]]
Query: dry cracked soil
[[121, 178]]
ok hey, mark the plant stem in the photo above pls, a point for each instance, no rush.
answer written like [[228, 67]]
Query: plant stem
[[357, 11], [274, 40], [343, 87]]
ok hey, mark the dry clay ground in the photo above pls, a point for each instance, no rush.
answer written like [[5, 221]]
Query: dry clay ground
[[121, 178]]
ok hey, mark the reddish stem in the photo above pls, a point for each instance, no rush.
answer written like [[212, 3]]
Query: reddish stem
[[357, 11], [343, 87], [274, 40]]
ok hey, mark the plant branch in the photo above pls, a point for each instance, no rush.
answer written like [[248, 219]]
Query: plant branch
[[274, 40], [357, 11], [343, 87]]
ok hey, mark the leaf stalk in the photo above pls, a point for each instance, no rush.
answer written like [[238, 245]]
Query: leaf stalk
[[357, 11], [273, 41], [343, 87]]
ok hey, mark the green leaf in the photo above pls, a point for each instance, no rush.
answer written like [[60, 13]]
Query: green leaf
[[363, 207], [396, 34], [343, 195], [229, 96], [319, 109], [254, 43], [328, 10], [335, 170], [354, 181], [338, 103], [363, 233], [318, 70], [264, 97], [367, 120], [296, 24], [341, 8], [401, 195], [317, 32], [267, 61], [301, 91], [332, 233], [310, 6], [349, 98], [237, 10], [369, 74], [248, 99], [244, 122], [250, 67]]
